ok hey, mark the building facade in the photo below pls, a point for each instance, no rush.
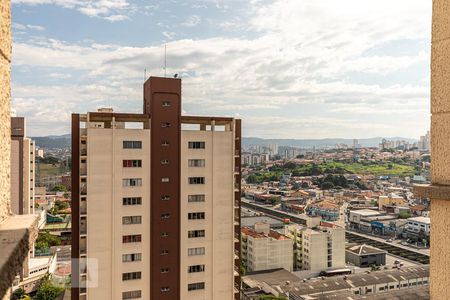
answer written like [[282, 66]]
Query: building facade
[[364, 256], [22, 168], [265, 249], [323, 249], [156, 209]]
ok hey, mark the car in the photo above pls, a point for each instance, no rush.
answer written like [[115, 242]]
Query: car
[[396, 262], [389, 240]]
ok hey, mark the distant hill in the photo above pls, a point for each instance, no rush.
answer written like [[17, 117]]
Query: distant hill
[[63, 141], [309, 143], [53, 141]]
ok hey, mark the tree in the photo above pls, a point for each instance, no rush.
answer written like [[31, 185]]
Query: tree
[[326, 185], [49, 239], [59, 188], [404, 215], [18, 294], [48, 291]]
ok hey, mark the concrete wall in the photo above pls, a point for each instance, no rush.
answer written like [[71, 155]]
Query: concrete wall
[[105, 211], [218, 208], [440, 145], [5, 92]]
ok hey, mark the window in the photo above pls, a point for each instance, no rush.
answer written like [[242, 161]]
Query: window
[[196, 198], [165, 197], [196, 251], [131, 257], [165, 216], [132, 201], [196, 268], [165, 179], [131, 276], [164, 252], [165, 289], [196, 180], [196, 145], [165, 143], [164, 270], [132, 145], [132, 163], [135, 238], [131, 295], [164, 161], [196, 233], [196, 162], [132, 182], [131, 220], [196, 286], [165, 125], [166, 103], [196, 216]]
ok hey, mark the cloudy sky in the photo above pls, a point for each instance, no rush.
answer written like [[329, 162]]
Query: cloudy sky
[[288, 68]]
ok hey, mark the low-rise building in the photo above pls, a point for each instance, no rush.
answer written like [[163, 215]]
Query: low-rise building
[[326, 209], [391, 199], [265, 249], [418, 227], [364, 256]]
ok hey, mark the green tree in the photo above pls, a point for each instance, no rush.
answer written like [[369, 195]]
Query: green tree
[[49, 239], [48, 291], [59, 188], [18, 294], [326, 185], [404, 215]]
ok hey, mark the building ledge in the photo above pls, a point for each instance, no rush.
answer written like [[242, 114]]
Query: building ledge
[[432, 191], [17, 233]]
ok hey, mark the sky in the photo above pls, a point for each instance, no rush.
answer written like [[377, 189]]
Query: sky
[[287, 68]]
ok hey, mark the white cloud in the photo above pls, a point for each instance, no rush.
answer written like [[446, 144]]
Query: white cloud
[[111, 10], [23, 27], [290, 80], [191, 21]]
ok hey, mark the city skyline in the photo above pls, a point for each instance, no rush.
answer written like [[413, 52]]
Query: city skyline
[[298, 70]]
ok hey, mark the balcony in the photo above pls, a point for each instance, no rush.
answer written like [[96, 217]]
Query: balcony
[[83, 207], [83, 246], [17, 234], [236, 254], [236, 271], [83, 226]]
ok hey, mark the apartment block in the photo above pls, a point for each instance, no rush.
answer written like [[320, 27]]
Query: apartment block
[[22, 168], [265, 249], [155, 202], [317, 249], [324, 248]]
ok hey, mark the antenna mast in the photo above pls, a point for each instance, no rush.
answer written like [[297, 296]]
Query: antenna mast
[[165, 60]]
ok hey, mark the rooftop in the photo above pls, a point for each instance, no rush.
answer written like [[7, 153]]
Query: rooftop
[[364, 249], [424, 220]]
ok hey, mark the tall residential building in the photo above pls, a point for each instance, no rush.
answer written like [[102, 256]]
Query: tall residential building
[[317, 249], [155, 202], [265, 249], [22, 168]]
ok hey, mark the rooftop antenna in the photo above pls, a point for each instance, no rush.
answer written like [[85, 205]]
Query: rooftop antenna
[[145, 74], [165, 60]]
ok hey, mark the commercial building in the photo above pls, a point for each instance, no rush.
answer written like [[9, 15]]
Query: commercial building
[[22, 168], [281, 283], [155, 202], [418, 227], [364, 256], [265, 249]]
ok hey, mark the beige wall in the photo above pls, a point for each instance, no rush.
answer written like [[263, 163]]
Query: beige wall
[[5, 93], [218, 208], [440, 145], [105, 211], [15, 145], [315, 249], [268, 253]]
